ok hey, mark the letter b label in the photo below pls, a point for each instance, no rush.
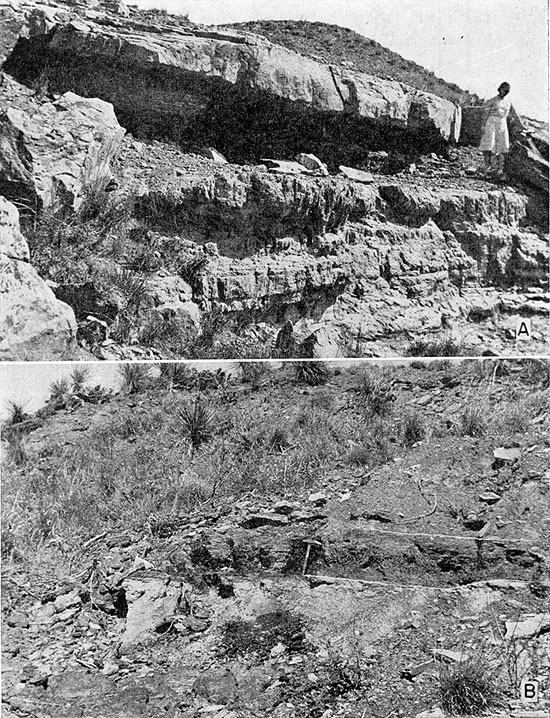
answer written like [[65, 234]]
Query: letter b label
[[529, 691]]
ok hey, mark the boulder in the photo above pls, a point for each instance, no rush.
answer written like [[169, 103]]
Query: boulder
[[35, 325], [55, 153], [153, 601]]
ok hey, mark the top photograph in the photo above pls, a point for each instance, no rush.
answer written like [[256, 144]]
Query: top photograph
[[185, 179]]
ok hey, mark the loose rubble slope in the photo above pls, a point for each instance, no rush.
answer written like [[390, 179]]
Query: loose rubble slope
[[323, 550]]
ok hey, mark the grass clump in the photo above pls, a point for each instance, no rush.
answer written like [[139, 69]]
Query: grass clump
[[375, 393], [312, 373], [473, 420], [442, 348], [413, 429], [469, 688]]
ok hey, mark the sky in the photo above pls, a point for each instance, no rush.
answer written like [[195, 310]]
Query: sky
[[475, 43]]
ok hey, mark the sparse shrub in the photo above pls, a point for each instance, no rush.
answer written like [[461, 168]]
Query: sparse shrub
[[59, 389], [312, 373], [16, 414], [359, 455], [132, 286], [175, 374], [79, 377], [255, 373], [375, 392], [278, 439], [413, 428], [473, 420], [198, 422], [134, 377], [442, 348], [469, 688]]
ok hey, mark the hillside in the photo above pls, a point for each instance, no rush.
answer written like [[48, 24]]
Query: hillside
[[171, 190], [343, 46], [290, 542]]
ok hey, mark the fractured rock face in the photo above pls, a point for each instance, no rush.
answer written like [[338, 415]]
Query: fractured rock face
[[212, 85], [35, 325], [55, 153]]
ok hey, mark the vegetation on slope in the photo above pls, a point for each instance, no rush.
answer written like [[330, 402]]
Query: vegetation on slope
[[340, 45]]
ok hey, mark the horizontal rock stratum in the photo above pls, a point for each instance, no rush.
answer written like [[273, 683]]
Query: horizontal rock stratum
[[183, 77]]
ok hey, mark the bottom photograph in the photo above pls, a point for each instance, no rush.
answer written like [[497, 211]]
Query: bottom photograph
[[298, 539]]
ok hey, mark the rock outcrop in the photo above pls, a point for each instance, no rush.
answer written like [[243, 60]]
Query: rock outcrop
[[54, 153], [204, 84], [35, 325]]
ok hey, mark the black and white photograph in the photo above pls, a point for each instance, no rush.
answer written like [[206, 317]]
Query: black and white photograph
[[220, 180], [294, 539], [274, 359]]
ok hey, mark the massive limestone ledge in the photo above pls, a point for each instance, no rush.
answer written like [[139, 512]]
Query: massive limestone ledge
[[34, 324], [54, 153], [192, 81]]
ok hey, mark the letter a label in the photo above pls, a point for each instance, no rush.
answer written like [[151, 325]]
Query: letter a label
[[523, 329]]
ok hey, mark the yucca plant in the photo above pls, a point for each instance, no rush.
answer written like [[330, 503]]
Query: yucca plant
[[198, 422], [473, 421], [312, 373], [79, 377], [174, 374], [375, 393], [133, 377], [59, 389], [16, 414]]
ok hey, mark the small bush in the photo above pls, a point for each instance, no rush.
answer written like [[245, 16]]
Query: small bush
[[134, 377], [175, 374], [473, 421], [255, 374], [443, 348], [375, 393], [312, 373], [79, 377], [469, 688], [413, 428], [16, 414], [59, 389], [198, 423], [359, 455], [278, 440]]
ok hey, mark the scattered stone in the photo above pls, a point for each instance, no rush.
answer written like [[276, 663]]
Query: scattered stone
[[313, 163], [67, 600], [504, 456], [285, 167], [141, 563], [450, 656], [285, 507], [528, 627], [319, 498], [254, 521], [217, 685], [214, 155], [435, 712], [412, 671], [152, 603], [356, 175], [18, 619], [278, 650], [489, 497]]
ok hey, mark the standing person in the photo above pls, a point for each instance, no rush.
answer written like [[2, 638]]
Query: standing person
[[495, 140]]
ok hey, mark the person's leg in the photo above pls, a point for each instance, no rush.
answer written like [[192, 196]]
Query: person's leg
[[500, 163]]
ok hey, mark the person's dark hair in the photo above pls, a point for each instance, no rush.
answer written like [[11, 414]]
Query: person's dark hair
[[504, 85]]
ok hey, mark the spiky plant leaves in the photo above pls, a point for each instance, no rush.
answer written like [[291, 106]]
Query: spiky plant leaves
[[134, 377], [312, 373], [198, 422]]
